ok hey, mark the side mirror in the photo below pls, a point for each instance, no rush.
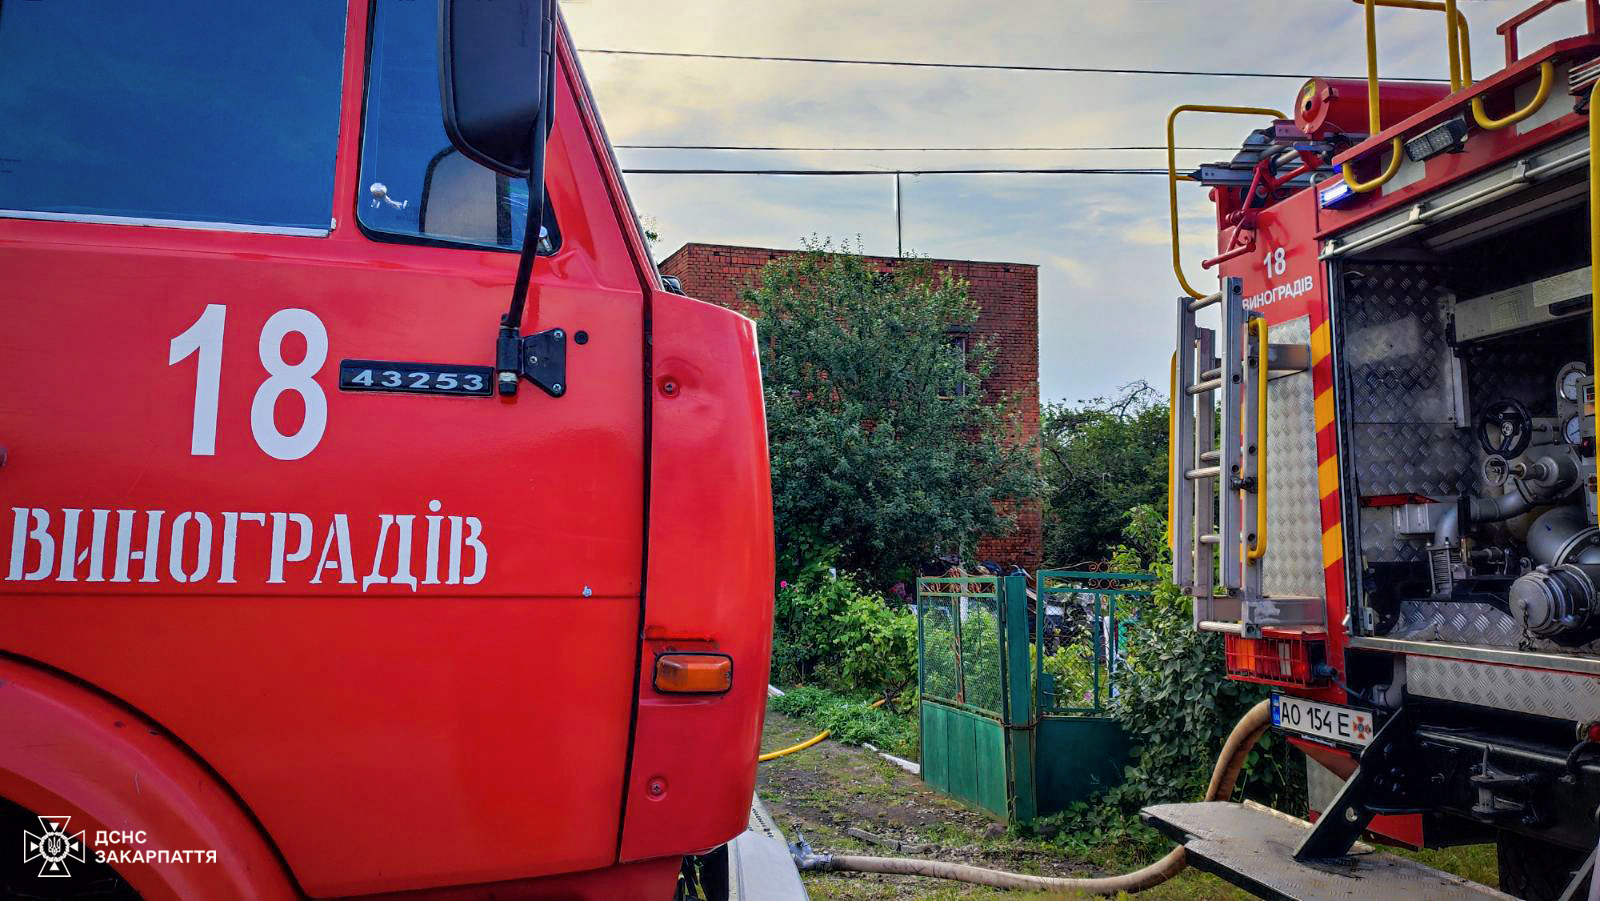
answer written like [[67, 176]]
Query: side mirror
[[494, 77], [497, 81]]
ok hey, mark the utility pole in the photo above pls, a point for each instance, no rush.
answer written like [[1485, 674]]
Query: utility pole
[[899, 244]]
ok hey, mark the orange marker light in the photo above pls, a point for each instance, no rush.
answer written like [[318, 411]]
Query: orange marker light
[[694, 673]]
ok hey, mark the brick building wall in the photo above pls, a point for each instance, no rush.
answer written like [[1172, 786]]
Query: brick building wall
[[1007, 295]]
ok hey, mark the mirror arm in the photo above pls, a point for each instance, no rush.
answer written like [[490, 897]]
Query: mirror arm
[[509, 365], [508, 349]]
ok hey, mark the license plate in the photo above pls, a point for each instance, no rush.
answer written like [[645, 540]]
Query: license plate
[[1345, 725]]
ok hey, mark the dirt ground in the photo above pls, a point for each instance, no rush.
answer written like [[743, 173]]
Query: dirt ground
[[820, 793]]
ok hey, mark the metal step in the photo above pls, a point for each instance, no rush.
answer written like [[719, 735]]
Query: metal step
[[1253, 847], [760, 867]]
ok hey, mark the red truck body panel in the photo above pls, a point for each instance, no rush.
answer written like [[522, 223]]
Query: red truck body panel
[[709, 455], [413, 652]]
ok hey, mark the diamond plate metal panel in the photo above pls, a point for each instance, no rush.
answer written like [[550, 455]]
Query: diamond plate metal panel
[[1253, 847], [1456, 623], [1398, 367], [1293, 564], [1562, 696], [1434, 459]]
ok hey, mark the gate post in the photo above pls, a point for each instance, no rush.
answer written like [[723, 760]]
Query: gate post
[[1019, 715]]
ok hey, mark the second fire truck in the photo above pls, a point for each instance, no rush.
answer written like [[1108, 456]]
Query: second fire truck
[[1384, 488]]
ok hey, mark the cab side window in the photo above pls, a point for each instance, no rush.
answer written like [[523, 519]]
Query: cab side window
[[415, 186], [184, 111]]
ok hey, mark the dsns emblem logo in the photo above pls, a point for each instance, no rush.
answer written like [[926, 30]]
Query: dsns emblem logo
[[54, 848]]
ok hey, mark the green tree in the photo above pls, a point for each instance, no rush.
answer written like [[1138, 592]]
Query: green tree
[[884, 444], [1102, 459]]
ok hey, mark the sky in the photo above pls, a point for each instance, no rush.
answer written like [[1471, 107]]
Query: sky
[[1101, 241]]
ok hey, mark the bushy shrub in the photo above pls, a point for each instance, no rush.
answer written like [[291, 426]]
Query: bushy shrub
[[831, 630], [876, 645], [1177, 707], [1071, 667]]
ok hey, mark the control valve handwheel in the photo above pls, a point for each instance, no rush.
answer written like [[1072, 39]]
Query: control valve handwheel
[[1496, 470], [1505, 428]]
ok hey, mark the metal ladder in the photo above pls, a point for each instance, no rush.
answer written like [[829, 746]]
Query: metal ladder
[[1218, 487]]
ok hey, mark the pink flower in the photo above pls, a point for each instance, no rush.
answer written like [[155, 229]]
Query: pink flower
[[783, 584]]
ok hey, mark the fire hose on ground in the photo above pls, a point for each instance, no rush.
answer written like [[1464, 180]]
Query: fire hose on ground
[[1223, 777]]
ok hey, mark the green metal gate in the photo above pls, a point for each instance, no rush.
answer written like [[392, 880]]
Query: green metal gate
[[1080, 626], [1014, 688], [962, 627]]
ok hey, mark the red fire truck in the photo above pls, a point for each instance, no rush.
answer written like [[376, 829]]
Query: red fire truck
[[1384, 483], [374, 520]]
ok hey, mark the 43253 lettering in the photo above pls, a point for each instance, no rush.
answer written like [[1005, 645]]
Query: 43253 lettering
[[416, 378]]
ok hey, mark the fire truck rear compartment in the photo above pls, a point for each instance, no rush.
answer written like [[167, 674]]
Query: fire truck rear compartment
[[1466, 414]]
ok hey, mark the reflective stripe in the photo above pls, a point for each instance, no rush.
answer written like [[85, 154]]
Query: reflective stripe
[[1332, 545], [1328, 477], [1324, 409]]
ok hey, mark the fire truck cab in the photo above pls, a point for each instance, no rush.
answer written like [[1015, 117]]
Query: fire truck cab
[[302, 596], [1384, 488]]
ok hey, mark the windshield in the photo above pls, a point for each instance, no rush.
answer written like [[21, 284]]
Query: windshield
[[415, 184]]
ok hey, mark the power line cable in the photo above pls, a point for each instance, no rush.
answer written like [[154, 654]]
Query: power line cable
[[907, 149], [927, 64], [830, 172]]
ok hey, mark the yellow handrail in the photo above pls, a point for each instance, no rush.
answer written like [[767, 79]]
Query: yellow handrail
[[1396, 148], [1258, 549], [1172, 172], [1458, 43], [1547, 79], [1458, 37], [1594, 236]]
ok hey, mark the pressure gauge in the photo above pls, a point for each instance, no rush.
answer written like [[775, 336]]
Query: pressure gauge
[[1572, 430], [1570, 382]]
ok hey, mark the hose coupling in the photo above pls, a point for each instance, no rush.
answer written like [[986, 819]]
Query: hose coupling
[[806, 859]]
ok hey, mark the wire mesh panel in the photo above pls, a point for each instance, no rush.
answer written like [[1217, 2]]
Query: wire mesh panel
[[1079, 620], [979, 623], [941, 677], [958, 623]]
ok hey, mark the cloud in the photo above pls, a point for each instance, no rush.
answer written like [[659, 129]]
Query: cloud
[[1106, 283]]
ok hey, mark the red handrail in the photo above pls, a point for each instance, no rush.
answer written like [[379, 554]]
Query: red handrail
[[1508, 28]]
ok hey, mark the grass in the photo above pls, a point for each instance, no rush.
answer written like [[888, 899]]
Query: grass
[[821, 793], [851, 721], [1475, 862]]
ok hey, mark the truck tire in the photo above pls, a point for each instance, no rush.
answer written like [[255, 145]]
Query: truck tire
[[1533, 869], [21, 880], [704, 877]]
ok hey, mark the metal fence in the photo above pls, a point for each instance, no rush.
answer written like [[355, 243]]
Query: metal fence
[[1080, 620], [1014, 685], [958, 635]]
